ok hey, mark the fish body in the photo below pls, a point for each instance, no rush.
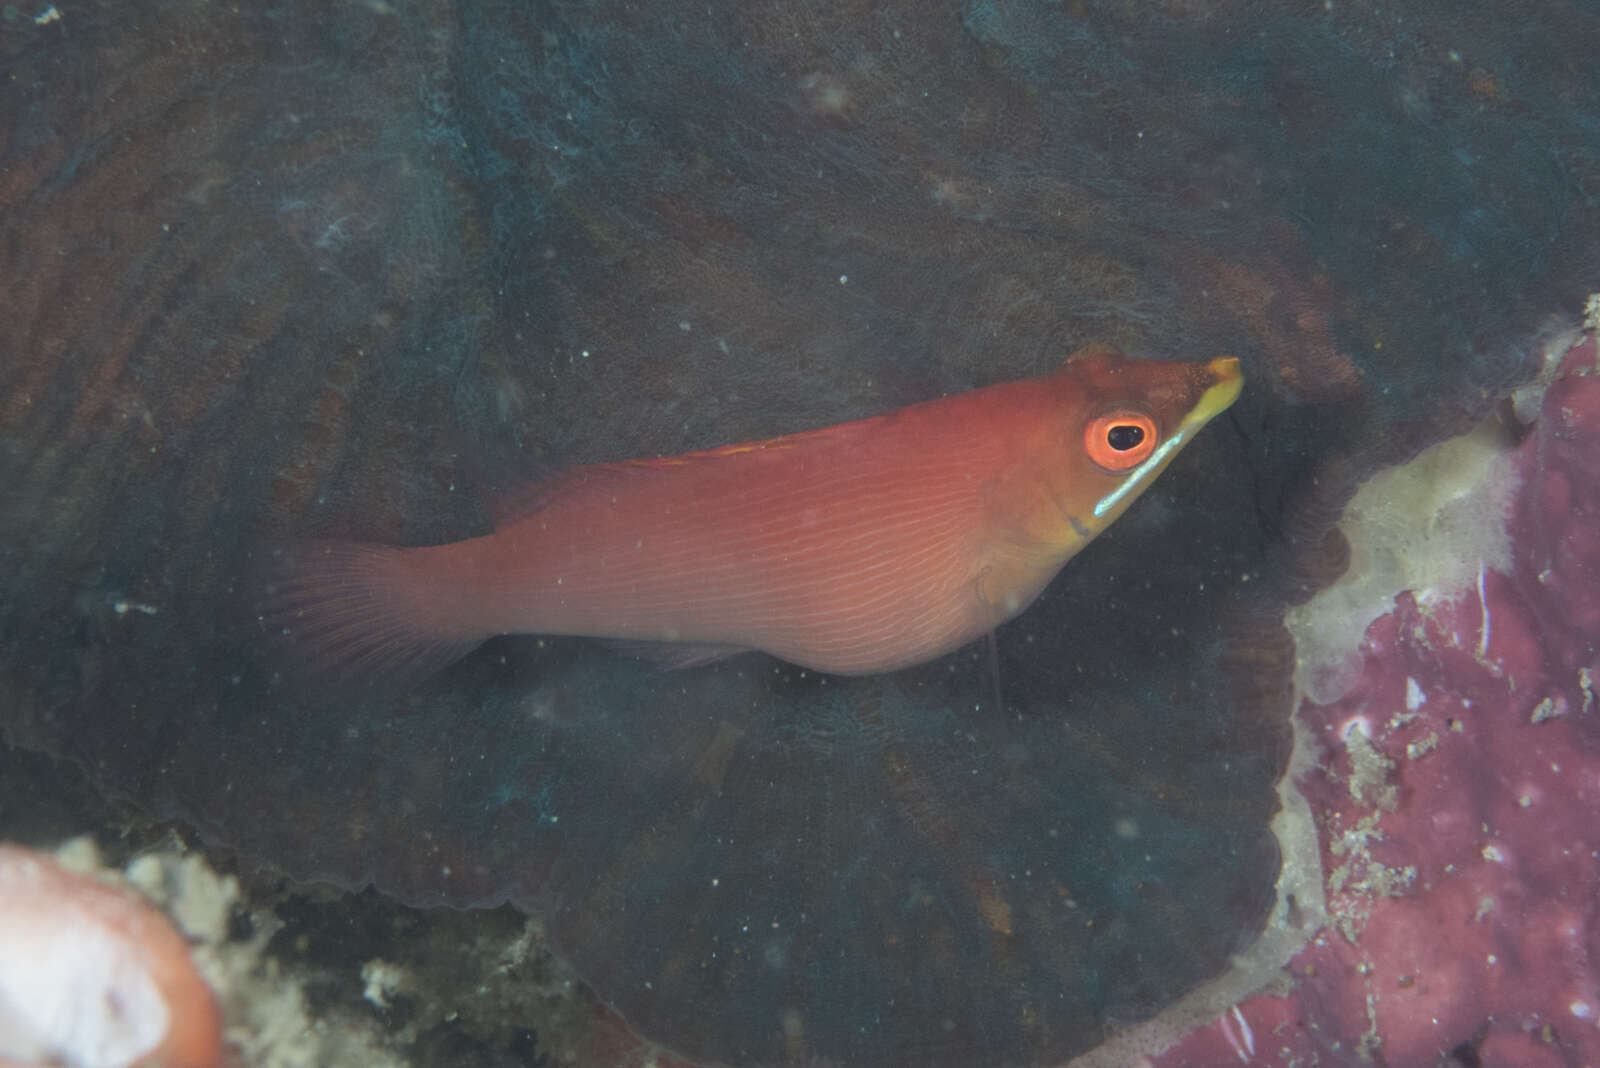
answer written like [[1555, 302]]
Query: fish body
[[855, 549]]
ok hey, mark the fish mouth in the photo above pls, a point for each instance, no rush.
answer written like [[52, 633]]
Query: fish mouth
[[1226, 383]]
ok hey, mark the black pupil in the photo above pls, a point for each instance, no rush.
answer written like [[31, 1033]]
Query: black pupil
[[1125, 437]]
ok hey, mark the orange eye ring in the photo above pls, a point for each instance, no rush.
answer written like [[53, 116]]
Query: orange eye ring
[[1121, 440]]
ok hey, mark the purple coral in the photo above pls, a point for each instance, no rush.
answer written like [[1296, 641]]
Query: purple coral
[[1457, 800]]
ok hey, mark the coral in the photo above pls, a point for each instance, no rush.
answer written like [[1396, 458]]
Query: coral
[[1456, 793], [293, 268], [92, 976]]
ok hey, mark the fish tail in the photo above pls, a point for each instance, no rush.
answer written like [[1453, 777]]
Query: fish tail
[[359, 613]]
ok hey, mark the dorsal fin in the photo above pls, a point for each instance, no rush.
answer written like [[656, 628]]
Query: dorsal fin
[[524, 499]]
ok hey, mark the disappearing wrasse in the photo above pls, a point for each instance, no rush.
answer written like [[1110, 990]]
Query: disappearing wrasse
[[859, 548]]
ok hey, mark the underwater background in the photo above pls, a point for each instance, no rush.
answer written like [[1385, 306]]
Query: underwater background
[[282, 270]]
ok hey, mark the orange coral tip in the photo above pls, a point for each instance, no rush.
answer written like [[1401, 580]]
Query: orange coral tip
[[93, 977]]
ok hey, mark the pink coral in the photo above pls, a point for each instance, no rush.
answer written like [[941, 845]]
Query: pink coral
[[92, 977], [1457, 802]]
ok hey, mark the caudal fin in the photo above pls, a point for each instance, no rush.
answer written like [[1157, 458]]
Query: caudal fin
[[352, 613]]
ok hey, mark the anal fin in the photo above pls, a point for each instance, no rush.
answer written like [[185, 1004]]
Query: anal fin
[[675, 656]]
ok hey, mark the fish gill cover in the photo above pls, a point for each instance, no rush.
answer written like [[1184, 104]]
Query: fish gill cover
[[284, 269]]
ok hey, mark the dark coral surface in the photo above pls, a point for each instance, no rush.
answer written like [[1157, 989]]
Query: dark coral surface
[[1456, 803], [288, 269]]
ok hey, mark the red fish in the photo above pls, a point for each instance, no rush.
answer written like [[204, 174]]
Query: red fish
[[859, 548]]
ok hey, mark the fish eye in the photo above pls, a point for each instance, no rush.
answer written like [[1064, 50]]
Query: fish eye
[[1125, 436], [1120, 440]]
